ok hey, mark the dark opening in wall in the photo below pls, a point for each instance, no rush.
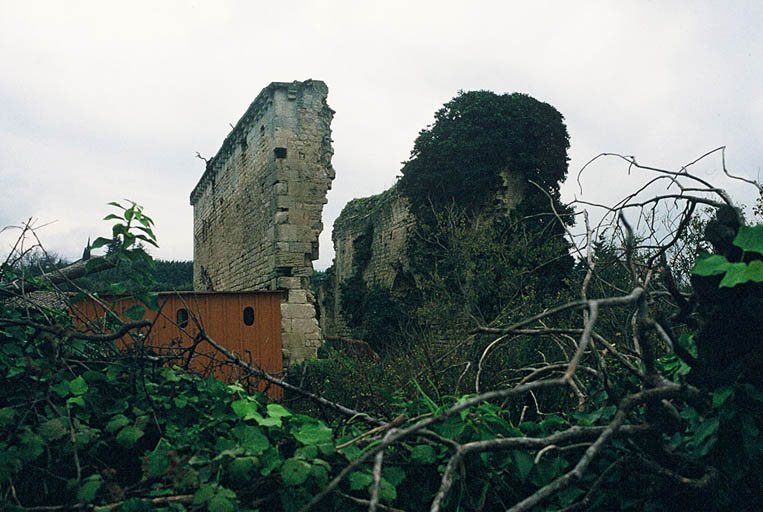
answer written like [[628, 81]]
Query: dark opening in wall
[[248, 315], [181, 318], [283, 271], [280, 152]]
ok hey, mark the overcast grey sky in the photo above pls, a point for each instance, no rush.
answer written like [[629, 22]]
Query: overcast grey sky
[[107, 100]]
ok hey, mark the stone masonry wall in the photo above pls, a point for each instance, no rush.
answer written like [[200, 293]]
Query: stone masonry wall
[[387, 219], [257, 208]]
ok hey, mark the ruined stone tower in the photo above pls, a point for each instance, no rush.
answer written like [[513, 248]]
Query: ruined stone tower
[[257, 208]]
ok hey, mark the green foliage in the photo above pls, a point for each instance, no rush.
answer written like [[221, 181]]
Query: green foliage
[[750, 240], [476, 136]]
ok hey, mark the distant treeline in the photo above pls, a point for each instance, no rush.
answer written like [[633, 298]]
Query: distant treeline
[[167, 275]]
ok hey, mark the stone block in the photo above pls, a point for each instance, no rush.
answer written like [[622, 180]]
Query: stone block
[[288, 283], [281, 217], [297, 311], [297, 296], [305, 325]]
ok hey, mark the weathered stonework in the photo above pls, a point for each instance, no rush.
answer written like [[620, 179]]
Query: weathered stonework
[[257, 208], [388, 221]]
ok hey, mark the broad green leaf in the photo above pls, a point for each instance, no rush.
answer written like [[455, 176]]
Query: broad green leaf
[[78, 386], [270, 460], [53, 429], [275, 412], [251, 438], [136, 312], [61, 389], [76, 400], [352, 452], [117, 288], [169, 375], [750, 238], [308, 452], [87, 492], [705, 429], [241, 467], [294, 471], [740, 273], [270, 421], [721, 395], [220, 504], [31, 446], [452, 427], [313, 433], [327, 448], [360, 480], [387, 491], [116, 422], [320, 474], [92, 376], [151, 300], [423, 454], [98, 243], [245, 409], [524, 462], [711, 265], [686, 340], [6, 416], [393, 475], [128, 436], [204, 494]]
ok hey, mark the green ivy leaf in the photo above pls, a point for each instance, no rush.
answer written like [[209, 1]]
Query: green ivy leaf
[[739, 273], [387, 491], [308, 452], [116, 422], [452, 427], [352, 452], [88, 490], [251, 438], [128, 436], [360, 480], [705, 430], [423, 454], [220, 504], [76, 400], [52, 430], [278, 411], [721, 395], [78, 386], [136, 312], [245, 409], [313, 433], [320, 474], [750, 238], [61, 388], [31, 446], [6, 416], [204, 494], [240, 468], [394, 475], [524, 462], [294, 471], [711, 265]]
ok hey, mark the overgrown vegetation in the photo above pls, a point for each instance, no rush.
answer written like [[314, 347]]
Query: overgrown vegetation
[[469, 257], [622, 399]]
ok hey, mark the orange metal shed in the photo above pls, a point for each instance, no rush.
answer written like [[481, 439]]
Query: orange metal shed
[[246, 323]]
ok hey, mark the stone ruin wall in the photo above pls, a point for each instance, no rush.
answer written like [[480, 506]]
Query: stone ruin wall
[[257, 208], [389, 220]]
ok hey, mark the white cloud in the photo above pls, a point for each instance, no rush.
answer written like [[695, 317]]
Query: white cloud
[[104, 100]]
